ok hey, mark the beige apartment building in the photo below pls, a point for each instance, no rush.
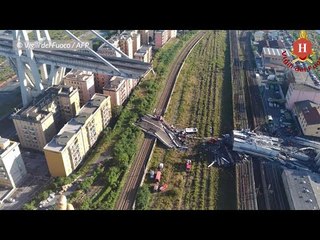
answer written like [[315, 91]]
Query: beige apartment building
[[119, 89], [39, 122], [116, 89], [68, 148], [144, 54], [308, 114], [84, 81], [136, 41]]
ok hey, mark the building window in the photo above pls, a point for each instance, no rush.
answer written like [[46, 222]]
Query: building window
[[304, 129], [318, 128], [317, 132]]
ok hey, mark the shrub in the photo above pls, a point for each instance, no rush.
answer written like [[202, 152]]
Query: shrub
[[143, 198]]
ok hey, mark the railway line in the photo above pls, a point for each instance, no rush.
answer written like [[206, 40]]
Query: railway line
[[274, 187], [256, 105], [247, 198], [239, 101], [127, 196], [245, 183], [266, 177]]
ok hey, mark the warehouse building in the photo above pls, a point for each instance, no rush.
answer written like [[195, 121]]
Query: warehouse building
[[302, 189]]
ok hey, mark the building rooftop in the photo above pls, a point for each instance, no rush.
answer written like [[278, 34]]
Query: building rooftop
[[302, 81], [5, 145], [32, 113], [309, 110], [75, 124], [36, 111], [114, 83], [78, 75], [303, 188], [276, 44], [273, 51], [65, 134], [143, 50]]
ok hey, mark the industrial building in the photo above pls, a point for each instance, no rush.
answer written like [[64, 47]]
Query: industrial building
[[39, 122], [301, 87], [308, 114], [272, 57], [119, 89], [302, 189], [12, 168], [69, 147], [84, 81]]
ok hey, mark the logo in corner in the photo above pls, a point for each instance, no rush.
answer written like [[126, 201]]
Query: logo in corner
[[301, 51], [302, 48]]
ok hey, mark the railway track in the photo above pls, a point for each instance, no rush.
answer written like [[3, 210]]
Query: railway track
[[136, 171], [239, 101], [256, 105], [247, 199], [245, 184]]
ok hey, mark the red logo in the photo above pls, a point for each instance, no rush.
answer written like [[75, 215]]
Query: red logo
[[301, 51], [302, 48]]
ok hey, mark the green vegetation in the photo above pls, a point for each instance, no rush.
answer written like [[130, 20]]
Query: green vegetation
[[101, 187], [11, 102], [62, 35], [203, 85], [6, 72], [143, 198]]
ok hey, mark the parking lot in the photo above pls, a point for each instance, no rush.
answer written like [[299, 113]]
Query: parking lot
[[283, 122], [38, 177], [35, 162]]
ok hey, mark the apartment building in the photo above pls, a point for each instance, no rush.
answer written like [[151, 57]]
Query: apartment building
[[126, 44], [119, 89], [172, 34], [39, 122], [106, 50], [160, 38], [12, 168], [136, 41], [308, 114], [144, 54], [145, 40], [68, 148], [301, 87], [100, 80], [84, 81]]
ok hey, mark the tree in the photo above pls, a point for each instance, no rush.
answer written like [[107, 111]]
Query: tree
[[143, 198], [116, 111]]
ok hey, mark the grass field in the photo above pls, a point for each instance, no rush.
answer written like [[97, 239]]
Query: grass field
[[202, 99]]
